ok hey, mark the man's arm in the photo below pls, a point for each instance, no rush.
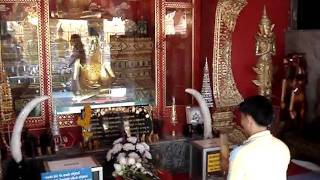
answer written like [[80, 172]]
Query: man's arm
[[236, 165]]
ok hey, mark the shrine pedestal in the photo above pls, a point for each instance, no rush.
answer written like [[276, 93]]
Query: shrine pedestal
[[205, 159]]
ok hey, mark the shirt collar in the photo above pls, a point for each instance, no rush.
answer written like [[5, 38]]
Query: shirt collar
[[257, 135]]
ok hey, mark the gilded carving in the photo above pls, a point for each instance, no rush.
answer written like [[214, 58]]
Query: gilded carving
[[7, 113], [225, 91], [226, 94], [265, 49]]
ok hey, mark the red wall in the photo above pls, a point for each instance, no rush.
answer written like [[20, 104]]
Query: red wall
[[243, 47]]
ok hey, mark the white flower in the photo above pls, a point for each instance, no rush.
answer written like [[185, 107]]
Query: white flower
[[139, 165], [132, 139], [149, 173], [134, 155], [128, 146], [140, 148], [147, 115], [109, 155], [123, 161], [117, 167], [116, 148], [121, 155], [131, 161], [146, 146], [117, 141], [147, 155], [120, 173]]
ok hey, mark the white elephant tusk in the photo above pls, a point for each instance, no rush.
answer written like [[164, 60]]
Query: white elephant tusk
[[204, 112], [15, 143]]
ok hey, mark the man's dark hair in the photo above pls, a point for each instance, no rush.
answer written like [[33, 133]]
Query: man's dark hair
[[260, 108]]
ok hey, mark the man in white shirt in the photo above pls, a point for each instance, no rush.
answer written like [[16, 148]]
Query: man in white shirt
[[262, 156]]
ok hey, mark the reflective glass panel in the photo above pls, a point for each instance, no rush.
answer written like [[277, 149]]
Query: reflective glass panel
[[102, 53], [178, 30], [19, 55]]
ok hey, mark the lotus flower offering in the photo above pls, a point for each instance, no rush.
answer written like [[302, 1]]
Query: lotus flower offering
[[131, 159]]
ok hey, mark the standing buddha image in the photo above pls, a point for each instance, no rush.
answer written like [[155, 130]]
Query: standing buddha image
[[265, 49]]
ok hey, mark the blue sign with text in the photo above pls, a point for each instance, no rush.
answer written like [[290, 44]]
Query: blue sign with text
[[70, 174]]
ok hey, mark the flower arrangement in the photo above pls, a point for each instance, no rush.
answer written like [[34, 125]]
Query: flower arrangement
[[131, 159]]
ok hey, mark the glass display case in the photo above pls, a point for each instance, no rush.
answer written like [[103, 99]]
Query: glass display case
[[178, 31], [21, 69], [101, 52]]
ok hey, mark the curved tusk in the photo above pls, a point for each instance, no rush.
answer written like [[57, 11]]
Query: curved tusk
[[15, 143], [204, 112]]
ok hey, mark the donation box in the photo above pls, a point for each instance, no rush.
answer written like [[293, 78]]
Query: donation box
[[205, 160]]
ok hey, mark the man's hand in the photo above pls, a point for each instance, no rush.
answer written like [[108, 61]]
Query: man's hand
[[224, 164], [224, 152]]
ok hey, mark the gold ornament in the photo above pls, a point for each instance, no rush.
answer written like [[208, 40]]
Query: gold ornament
[[226, 94], [265, 49], [7, 113], [85, 123], [96, 73], [225, 91]]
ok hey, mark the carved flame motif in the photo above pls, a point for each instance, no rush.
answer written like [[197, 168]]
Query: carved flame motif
[[225, 91], [226, 94]]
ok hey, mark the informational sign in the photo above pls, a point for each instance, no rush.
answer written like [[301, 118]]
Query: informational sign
[[71, 174], [213, 162], [106, 122]]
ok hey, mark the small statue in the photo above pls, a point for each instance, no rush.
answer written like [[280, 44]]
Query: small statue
[[142, 26], [293, 94], [61, 44], [85, 123], [265, 49], [126, 128]]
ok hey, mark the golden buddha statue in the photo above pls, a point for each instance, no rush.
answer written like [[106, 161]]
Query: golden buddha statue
[[265, 49], [88, 73], [96, 73]]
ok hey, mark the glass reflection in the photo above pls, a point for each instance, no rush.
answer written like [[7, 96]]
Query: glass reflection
[[178, 30], [101, 53], [19, 52]]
